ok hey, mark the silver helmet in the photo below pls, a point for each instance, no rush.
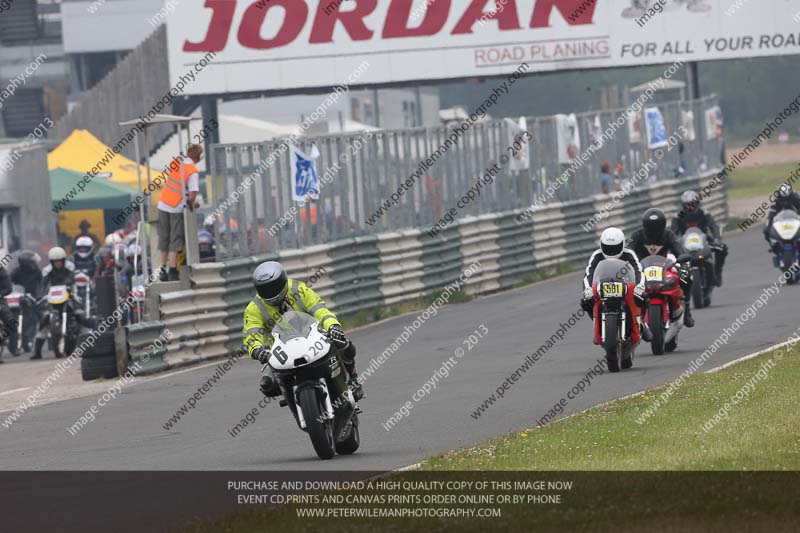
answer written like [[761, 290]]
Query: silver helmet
[[271, 282]]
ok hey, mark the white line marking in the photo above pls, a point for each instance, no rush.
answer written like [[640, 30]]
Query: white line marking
[[12, 391], [751, 356]]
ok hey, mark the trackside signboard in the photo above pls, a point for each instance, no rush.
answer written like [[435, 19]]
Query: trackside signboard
[[297, 44]]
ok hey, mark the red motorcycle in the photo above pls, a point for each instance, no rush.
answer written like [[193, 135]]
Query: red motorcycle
[[664, 312], [615, 326]]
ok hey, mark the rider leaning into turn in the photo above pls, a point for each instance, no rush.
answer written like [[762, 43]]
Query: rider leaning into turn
[[612, 246], [692, 216], [655, 239], [277, 294], [785, 198]]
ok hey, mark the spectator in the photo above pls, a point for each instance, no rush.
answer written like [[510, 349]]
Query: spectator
[[605, 177], [683, 165], [84, 227], [183, 177]]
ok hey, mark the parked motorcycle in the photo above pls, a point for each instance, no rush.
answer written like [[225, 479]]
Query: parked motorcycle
[[306, 365], [63, 325], [18, 300], [695, 242], [785, 236], [665, 302], [85, 290], [615, 325]]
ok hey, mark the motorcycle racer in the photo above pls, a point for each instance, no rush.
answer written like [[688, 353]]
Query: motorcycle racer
[[83, 255], [692, 216], [785, 198], [612, 246], [655, 239], [277, 294]]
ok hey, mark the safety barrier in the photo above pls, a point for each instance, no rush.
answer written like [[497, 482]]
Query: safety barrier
[[387, 269]]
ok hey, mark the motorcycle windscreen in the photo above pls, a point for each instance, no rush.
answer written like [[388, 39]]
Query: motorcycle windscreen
[[614, 270], [786, 224], [694, 240], [293, 324], [653, 267]]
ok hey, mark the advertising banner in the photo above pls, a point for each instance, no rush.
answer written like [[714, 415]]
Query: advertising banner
[[296, 44]]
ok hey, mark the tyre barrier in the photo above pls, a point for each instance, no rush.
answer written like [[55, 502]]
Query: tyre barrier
[[369, 272], [100, 359]]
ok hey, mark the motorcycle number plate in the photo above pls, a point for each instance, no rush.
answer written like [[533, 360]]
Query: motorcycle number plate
[[612, 290], [696, 241], [789, 226], [653, 273]]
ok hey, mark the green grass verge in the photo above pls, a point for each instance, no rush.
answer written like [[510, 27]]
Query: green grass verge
[[758, 181], [605, 453], [760, 433]]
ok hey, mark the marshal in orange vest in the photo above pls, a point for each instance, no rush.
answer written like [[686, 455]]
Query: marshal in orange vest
[[174, 188]]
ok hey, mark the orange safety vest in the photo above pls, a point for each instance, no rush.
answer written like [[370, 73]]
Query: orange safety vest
[[304, 216], [174, 188]]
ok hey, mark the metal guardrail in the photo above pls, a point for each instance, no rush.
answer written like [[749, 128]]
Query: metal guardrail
[[356, 187], [364, 273]]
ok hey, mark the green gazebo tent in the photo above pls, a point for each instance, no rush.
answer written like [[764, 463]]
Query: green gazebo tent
[[99, 193]]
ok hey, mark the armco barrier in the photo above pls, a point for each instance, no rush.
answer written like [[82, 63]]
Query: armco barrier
[[368, 272]]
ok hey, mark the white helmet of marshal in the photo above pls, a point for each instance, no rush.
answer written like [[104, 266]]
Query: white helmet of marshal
[[612, 241]]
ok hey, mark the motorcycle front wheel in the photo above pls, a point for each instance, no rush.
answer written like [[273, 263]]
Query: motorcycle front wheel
[[698, 298], [611, 343], [788, 262], [320, 431], [656, 329]]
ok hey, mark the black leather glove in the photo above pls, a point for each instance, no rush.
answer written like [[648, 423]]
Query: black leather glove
[[261, 355], [336, 334], [684, 273]]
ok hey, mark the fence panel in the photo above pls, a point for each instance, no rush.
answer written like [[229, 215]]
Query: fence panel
[[373, 182]]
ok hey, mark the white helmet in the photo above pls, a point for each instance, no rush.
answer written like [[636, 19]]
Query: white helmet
[[113, 238], [785, 190], [57, 253], [84, 247], [612, 241]]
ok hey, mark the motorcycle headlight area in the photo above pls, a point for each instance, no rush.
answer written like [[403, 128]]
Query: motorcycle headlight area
[[612, 289]]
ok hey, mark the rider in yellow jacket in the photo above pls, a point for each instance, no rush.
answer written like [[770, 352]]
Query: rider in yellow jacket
[[277, 294]]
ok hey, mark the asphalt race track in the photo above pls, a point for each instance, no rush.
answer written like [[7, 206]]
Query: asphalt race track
[[128, 432]]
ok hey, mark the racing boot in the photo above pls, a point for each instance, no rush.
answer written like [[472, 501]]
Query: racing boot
[[269, 386], [163, 274], [688, 320], [647, 335], [353, 384], [37, 349]]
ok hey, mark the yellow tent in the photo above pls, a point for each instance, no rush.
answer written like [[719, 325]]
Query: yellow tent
[[80, 152]]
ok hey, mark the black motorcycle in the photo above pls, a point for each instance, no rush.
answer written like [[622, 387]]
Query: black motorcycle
[[696, 244], [306, 365]]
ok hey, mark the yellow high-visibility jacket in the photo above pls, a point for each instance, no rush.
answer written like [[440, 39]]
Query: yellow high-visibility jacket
[[260, 317]]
